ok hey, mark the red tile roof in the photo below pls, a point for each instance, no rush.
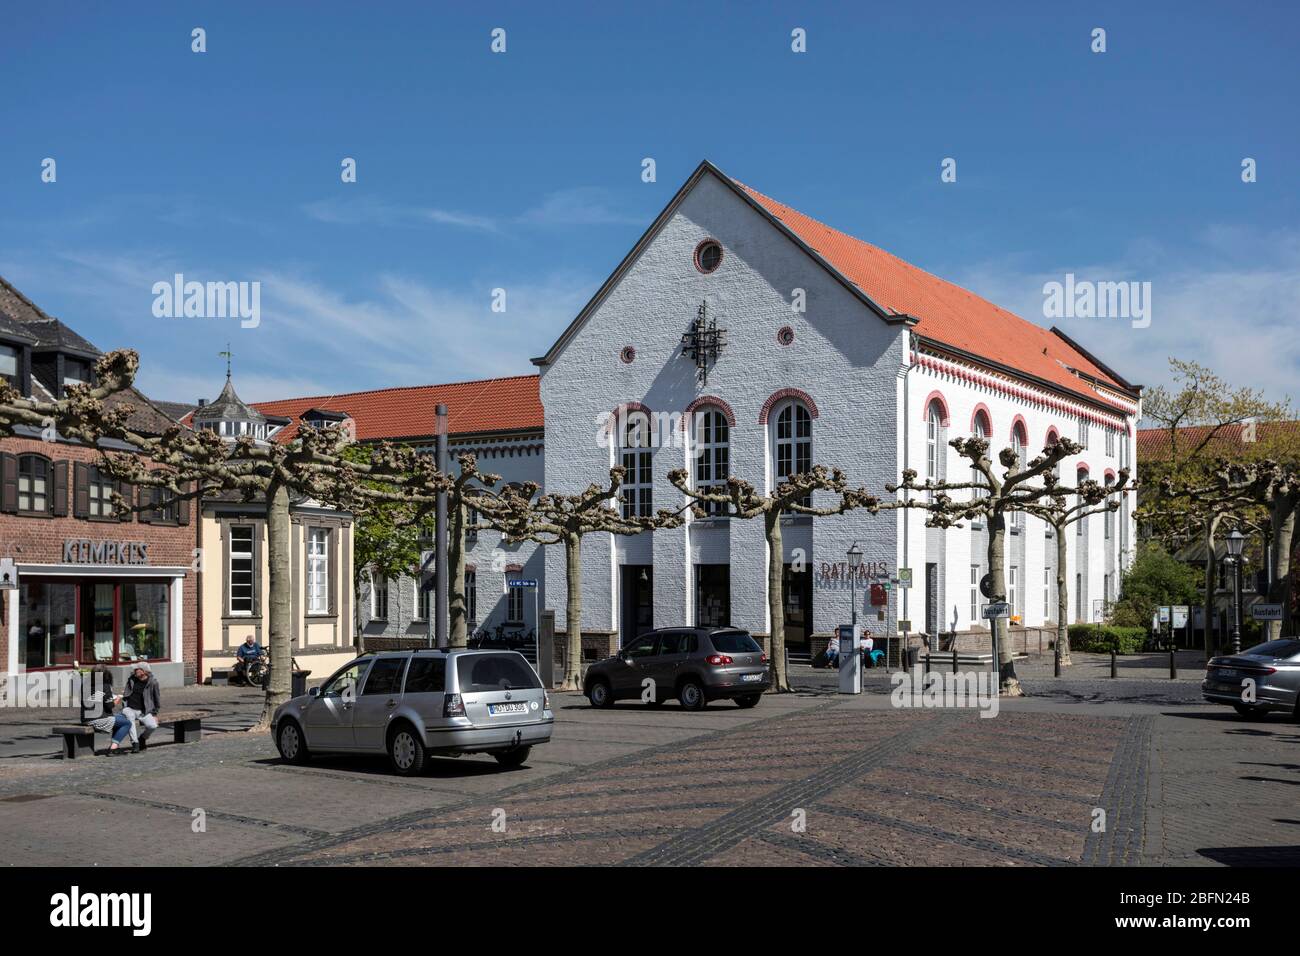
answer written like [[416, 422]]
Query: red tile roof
[[486, 405], [1154, 442], [948, 314]]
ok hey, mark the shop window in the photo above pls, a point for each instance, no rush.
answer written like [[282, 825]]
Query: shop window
[[145, 626], [47, 616]]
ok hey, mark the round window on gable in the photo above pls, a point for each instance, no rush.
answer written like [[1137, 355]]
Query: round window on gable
[[708, 256]]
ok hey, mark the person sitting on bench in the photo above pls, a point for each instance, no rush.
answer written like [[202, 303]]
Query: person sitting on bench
[[141, 700], [101, 704]]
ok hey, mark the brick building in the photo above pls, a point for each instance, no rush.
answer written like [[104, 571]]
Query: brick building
[[93, 587]]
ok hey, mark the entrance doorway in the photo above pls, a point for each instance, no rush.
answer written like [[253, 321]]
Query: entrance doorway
[[798, 587], [713, 595], [636, 596]]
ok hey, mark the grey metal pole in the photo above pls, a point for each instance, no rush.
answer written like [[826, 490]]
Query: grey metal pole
[[1236, 605], [440, 539]]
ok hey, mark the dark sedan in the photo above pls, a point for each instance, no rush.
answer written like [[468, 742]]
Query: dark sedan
[[1259, 679], [694, 664]]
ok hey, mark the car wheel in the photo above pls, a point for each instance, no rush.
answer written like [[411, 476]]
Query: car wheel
[[749, 700], [599, 694], [691, 695], [289, 741], [406, 750], [513, 758], [1247, 710]]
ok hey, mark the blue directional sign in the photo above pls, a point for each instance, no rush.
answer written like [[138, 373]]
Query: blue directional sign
[[521, 582]]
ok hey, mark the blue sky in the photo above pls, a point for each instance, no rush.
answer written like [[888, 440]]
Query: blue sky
[[522, 170]]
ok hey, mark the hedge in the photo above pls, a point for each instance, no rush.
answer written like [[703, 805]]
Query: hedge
[[1102, 638]]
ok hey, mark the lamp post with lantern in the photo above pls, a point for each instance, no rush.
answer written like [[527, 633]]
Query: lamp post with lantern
[[1236, 541]]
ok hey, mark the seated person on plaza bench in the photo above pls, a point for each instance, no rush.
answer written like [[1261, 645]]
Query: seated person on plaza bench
[[141, 701], [102, 702]]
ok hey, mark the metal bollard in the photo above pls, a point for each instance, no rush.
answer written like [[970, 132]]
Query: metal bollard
[[954, 659], [1173, 665], [1056, 660], [1113, 672]]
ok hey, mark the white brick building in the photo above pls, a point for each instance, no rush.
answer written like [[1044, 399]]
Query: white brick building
[[836, 353]]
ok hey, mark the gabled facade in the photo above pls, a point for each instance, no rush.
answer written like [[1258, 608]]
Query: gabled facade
[[834, 352]]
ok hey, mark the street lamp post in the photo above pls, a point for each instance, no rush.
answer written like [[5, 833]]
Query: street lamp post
[[855, 562], [1236, 540]]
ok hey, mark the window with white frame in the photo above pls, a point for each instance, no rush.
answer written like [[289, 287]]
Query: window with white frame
[[9, 364], [99, 492], [242, 569], [1080, 477], [422, 584], [712, 456], [933, 443], [1020, 445], [974, 593], [638, 483], [1110, 441], [378, 596], [318, 570], [471, 596], [1083, 433], [793, 443], [1108, 518], [981, 430], [514, 605], [1013, 589]]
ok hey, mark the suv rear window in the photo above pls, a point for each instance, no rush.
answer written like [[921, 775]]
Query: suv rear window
[[734, 642], [481, 672]]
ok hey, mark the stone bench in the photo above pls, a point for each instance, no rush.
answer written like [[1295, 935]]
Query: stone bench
[[79, 739]]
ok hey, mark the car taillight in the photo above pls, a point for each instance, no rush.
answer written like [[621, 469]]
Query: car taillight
[[719, 660], [546, 700], [453, 706], [762, 658]]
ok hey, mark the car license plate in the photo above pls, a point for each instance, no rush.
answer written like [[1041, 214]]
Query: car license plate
[[751, 676], [514, 707], [1224, 673]]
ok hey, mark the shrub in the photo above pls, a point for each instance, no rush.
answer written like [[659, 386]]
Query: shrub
[[1102, 638]]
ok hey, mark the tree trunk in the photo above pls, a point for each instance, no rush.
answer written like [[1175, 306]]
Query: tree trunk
[[776, 600], [1283, 521], [458, 634], [1210, 530], [573, 612], [1008, 682], [1062, 598], [280, 605]]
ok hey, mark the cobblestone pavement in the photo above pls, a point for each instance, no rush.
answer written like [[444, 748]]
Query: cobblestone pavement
[[811, 778]]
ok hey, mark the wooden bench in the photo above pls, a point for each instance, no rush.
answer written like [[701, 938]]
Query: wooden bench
[[79, 739]]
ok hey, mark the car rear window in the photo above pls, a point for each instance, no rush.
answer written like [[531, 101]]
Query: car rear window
[[1286, 647], [480, 672], [734, 642], [426, 675]]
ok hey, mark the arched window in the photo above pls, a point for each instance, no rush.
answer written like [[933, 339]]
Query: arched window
[[635, 457], [980, 429], [793, 443], [934, 416], [1108, 517], [712, 454], [34, 484], [1080, 477], [1020, 445]]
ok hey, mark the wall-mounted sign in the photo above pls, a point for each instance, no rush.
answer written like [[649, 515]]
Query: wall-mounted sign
[[85, 551], [1266, 612], [8, 574]]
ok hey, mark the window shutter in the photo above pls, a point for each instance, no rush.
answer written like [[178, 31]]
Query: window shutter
[[128, 495], [8, 482], [183, 506], [81, 489], [60, 489]]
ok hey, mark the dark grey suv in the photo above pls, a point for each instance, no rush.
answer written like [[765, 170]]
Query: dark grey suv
[[693, 664]]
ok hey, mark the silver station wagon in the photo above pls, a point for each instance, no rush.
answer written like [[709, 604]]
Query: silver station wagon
[[413, 704]]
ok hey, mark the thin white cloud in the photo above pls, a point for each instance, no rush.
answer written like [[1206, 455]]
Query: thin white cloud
[[369, 211]]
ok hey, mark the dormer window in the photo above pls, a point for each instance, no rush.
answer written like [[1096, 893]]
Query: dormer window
[[9, 364], [76, 372]]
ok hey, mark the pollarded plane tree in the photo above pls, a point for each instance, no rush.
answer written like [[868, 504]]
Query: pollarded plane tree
[[184, 464], [792, 496], [1061, 511], [992, 497], [523, 515], [1273, 486]]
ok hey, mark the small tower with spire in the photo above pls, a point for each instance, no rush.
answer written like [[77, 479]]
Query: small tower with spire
[[229, 416]]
